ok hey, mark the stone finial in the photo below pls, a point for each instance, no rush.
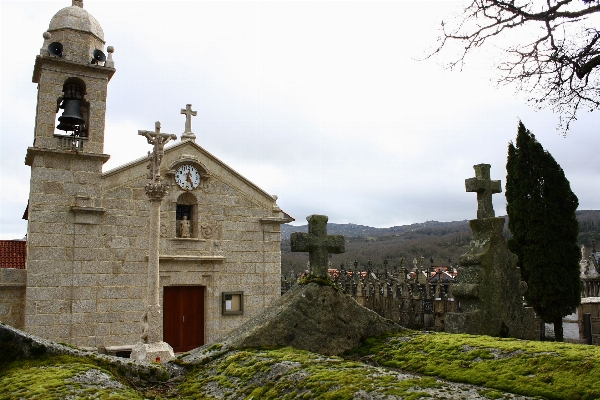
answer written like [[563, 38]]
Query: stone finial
[[77, 3], [484, 187], [46, 35], [318, 244], [188, 134], [109, 60]]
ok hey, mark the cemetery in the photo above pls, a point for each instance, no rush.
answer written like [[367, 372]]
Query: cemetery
[[162, 279]]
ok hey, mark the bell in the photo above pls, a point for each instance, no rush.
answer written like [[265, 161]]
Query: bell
[[71, 116], [65, 127]]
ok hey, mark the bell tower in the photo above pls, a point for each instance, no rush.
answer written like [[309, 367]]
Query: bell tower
[[64, 211]]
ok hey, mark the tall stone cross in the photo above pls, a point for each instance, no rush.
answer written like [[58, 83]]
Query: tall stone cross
[[188, 122], [158, 140], [155, 190], [318, 244], [484, 187]]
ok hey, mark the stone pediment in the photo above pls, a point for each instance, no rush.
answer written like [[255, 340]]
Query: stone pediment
[[210, 168]]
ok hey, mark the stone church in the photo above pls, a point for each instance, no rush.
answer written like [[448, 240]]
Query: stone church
[[88, 231]]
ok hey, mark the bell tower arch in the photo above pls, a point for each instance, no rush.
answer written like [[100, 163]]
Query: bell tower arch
[[66, 157]]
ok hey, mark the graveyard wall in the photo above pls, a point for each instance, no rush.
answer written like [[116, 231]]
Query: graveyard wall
[[590, 305], [12, 296]]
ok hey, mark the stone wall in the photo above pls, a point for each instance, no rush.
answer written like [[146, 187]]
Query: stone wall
[[590, 305], [12, 296]]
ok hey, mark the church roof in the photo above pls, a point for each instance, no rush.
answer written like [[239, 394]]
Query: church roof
[[196, 146], [13, 253], [78, 19]]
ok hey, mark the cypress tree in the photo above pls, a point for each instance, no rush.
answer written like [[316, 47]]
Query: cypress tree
[[541, 210]]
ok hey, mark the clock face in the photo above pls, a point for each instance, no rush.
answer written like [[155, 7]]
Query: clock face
[[187, 177]]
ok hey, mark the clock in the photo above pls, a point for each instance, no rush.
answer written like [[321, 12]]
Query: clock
[[187, 177]]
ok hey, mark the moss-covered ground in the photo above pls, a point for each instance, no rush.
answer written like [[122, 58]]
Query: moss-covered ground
[[545, 369], [406, 365], [61, 377]]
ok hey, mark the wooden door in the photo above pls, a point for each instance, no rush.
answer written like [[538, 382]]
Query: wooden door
[[183, 318]]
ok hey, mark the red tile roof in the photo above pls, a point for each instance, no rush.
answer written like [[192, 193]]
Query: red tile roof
[[13, 253]]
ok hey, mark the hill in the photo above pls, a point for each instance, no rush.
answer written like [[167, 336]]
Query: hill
[[442, 241]]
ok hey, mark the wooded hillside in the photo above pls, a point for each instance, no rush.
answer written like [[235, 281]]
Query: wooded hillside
[[438, 240]]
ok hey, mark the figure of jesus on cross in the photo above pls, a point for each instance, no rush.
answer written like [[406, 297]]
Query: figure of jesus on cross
[[159, 140], [318, 244]]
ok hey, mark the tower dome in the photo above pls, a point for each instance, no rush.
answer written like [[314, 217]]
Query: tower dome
[[77, 31], [77, 19]]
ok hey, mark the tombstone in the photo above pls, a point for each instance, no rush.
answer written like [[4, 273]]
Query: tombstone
[[318, 244], [490, 290]]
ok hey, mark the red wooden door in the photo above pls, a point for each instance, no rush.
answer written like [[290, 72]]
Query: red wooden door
[[183, 318]]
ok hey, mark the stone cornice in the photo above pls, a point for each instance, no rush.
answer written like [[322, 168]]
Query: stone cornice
[[34, 151], [85, 69], [191, 258], [275, 220], [87, 210]]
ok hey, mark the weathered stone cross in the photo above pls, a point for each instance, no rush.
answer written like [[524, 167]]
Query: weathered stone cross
[[158, 140], [485, 187], [188, 134], [318, 244]]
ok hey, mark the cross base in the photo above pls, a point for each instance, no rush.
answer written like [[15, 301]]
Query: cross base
[[152, 352], [188, 136]]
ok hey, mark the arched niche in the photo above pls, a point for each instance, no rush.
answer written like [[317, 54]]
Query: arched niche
[[186, 208]]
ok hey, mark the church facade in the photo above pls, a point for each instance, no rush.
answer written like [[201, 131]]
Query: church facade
[[88, 231]]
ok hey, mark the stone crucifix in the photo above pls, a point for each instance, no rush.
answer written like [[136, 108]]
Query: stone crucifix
[[158, 140], [156, 191], [188, 135], [318, 244], [484, 187]]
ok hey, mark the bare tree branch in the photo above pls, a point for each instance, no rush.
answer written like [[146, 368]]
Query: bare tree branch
[[558, 60]]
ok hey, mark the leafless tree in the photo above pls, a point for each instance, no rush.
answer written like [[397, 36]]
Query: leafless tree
[[554, 54]]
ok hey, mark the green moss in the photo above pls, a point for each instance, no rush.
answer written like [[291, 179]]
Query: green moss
[[550, 370], [216, 346], [316, 279], [49, 378], [287, 373]]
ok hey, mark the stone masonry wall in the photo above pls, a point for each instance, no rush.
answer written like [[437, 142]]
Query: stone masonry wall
[[12, 296], [590, 305]]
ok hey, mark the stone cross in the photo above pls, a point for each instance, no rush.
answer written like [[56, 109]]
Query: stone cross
[[188, 122], [318, 244], [159, 140], [484, 187]]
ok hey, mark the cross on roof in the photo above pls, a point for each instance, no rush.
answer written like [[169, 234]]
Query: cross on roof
[[188, 122], [318, 244], [484, 187]]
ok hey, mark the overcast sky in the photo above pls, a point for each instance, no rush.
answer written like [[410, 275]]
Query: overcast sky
[[325, 104]]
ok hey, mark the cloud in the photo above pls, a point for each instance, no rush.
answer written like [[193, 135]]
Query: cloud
[[323, 103]]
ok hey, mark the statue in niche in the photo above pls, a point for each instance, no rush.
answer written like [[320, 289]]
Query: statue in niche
[[184, 227]]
